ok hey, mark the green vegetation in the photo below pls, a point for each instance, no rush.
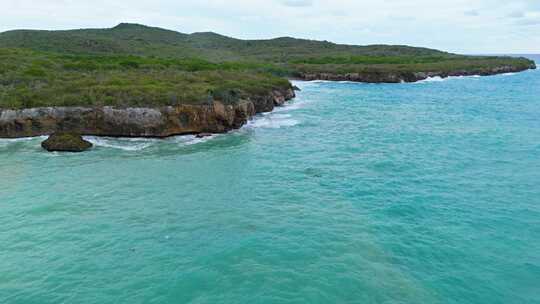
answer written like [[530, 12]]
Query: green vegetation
[[135, 65], [33, 79], [475, 65], [139, 40]]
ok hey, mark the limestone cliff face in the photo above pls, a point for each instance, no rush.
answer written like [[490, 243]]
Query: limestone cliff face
[[215, 117], [396, 77]]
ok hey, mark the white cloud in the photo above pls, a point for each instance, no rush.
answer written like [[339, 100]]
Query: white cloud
[[472, 13], [297, 3], [471, 26]]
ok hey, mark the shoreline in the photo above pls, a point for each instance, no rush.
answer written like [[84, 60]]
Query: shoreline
[[145, 122], [184, 119], [409, 77]]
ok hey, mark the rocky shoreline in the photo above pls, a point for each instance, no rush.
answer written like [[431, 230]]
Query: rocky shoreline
[[214, 117], [397, 77]]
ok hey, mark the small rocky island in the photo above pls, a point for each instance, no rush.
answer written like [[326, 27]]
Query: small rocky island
[[138, 81], [66, 142]]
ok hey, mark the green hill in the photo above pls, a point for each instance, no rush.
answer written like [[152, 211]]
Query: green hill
[[140, 40], [133, 64]]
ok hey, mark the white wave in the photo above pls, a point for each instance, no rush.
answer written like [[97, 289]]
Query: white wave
[[126, 144], [349, 82], [14, 140], [141, 143], [433, 79], [320, 81], [189, 140], [508, 74], [272, 121], [4, 142], [286, 108], [281, 116], [303, 84], [295, 104], [441, 79], [56, 154]]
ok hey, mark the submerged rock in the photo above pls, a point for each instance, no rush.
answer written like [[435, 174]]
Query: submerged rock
[[66, 142]]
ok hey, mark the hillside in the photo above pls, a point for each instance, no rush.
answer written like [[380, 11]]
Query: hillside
[[136, 65], [140, 40]]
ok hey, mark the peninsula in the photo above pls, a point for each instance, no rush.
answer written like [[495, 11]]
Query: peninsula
[[138, 81]]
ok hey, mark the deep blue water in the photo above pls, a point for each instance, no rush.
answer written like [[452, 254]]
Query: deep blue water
[[353, 193]]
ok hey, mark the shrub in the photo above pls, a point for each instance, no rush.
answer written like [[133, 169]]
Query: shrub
[[129, 64]]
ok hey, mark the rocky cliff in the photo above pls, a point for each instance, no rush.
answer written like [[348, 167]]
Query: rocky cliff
[[214, 117], [375, 76]]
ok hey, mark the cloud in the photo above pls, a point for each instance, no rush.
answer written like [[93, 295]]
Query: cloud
[[516, 14], [525, 18], [297, 3], [465, 26], [527, 21]]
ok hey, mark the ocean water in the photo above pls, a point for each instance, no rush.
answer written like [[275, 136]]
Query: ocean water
[[352, 193]]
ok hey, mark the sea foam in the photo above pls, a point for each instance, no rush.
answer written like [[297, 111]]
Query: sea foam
[[126, 144], [141, 143], [441, 79], [8, 141], [272, 121]]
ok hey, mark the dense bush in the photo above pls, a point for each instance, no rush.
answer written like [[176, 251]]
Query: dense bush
[[34, 79]]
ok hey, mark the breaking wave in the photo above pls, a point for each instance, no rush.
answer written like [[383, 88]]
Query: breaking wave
[[8, 141], [441, 79], [272, 121], [141, 143], [126, 144]]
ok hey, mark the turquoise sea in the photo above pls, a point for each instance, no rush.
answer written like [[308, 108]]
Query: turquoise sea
[[352, 193]]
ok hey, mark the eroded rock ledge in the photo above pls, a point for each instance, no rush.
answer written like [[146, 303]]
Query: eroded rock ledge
[[397, 77], [215, 117]]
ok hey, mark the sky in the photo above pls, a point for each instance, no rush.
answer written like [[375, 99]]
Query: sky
[[462, 26]]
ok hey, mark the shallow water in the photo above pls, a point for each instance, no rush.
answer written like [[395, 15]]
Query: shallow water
[[352, 193]]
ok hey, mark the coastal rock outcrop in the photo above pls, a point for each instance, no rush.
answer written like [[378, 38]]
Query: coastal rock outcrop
[[66, 142], [375, 76], [212, 117]]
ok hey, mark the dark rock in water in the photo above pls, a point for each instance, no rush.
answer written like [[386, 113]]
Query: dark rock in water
[[66, 142], [296, 88], [203, 135]]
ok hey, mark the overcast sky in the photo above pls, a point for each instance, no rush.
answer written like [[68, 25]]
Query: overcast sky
[[464, 26]]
